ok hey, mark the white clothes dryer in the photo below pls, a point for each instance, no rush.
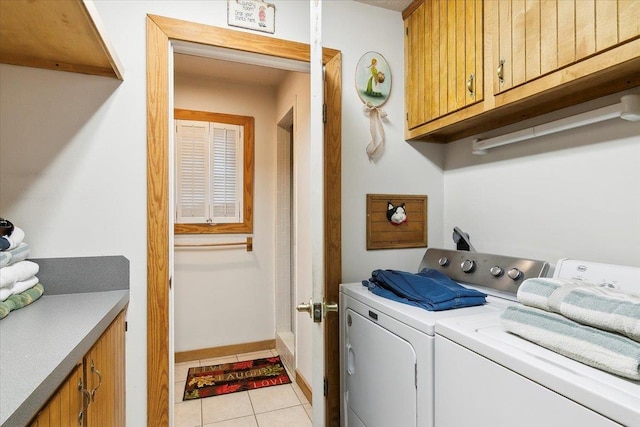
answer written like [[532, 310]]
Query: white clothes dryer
[[388, 348]]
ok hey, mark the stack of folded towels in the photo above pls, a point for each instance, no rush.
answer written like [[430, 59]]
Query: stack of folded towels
[[428, 289], [597, 326], [19, 285]]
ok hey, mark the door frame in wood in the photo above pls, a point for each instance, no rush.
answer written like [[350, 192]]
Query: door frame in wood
[[160, 32]]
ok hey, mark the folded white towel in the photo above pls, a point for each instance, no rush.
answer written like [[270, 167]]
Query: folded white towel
[[17, 272], [5, 293], [604, 308], [15, 238], [23, 285], [603, 350], [536, 292]]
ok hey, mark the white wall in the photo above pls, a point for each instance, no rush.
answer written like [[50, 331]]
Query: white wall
[[73, 165], [73, 159], [403, 168], [225, 296], [574, 194]]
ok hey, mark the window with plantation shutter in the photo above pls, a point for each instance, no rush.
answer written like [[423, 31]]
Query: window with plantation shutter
[[226, 173], [192, 145], [211, 167]]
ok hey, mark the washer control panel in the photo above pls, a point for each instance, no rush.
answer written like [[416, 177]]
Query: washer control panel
[[503, 273]]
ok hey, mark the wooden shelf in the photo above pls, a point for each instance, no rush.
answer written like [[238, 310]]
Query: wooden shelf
[[64, 35]]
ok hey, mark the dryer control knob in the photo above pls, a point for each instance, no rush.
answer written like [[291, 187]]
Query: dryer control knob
[[496, 271], [514, 274], [443, 262], [468, 266]]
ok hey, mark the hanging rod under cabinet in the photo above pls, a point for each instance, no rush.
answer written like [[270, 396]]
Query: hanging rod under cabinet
[[248, 243]]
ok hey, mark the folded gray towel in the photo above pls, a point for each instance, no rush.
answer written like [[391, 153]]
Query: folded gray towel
[[604, 308], [603, 350]]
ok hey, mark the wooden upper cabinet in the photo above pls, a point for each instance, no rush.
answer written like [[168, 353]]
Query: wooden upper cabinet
[[537, 37], [415, 70], [64, 35], [527, 58], [444, 58]]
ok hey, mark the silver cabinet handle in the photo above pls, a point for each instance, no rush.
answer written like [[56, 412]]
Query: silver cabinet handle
[[470, 85], [97, 372], [86, 401], [501, 71]]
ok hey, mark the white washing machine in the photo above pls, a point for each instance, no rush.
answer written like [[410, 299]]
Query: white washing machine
[[502, 380], [387, 347]]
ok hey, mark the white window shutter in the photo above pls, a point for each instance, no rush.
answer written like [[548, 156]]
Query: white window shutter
[[192, 170], [227, 167]]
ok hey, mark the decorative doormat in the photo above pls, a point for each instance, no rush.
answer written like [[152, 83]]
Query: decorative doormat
[[205, 381]]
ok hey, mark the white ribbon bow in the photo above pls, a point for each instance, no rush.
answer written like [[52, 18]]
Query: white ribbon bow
[[375, 126]]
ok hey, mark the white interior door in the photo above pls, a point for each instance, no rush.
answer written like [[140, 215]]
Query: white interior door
[[317, 207]]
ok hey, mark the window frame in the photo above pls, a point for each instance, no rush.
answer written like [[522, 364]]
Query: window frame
[[248, 125]]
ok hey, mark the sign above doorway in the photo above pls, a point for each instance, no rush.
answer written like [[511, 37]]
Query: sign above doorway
[[255, 15]]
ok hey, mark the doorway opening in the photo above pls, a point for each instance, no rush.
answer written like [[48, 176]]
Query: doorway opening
[[162, 35]]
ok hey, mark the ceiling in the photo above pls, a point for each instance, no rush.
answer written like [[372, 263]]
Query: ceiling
[[210, 68], [193, 65], [397, 5]]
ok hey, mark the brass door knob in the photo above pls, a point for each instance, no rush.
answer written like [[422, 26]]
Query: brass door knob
[[330, 307], [303, 306]]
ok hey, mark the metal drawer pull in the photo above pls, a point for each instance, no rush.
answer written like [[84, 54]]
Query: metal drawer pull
[[470, 86], [86, 401], [501, 71], [97, 372]]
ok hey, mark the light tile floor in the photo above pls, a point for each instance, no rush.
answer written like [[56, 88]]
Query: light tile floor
[[277, 406]]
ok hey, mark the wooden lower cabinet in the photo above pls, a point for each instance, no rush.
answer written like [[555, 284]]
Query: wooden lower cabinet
[[94, 393], [105, 377], [65, 408]]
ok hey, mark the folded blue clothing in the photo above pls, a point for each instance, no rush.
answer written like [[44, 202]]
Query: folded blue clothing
[[428, 289]]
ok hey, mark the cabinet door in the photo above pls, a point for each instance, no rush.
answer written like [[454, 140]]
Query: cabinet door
[[105, 377], [444, 58], [538, 37], [65, 406], [416, 70]]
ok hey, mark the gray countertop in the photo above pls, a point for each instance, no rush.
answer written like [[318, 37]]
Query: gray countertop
[[40, 344]]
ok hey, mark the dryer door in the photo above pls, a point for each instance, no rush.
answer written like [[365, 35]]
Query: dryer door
[[380, 375]]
